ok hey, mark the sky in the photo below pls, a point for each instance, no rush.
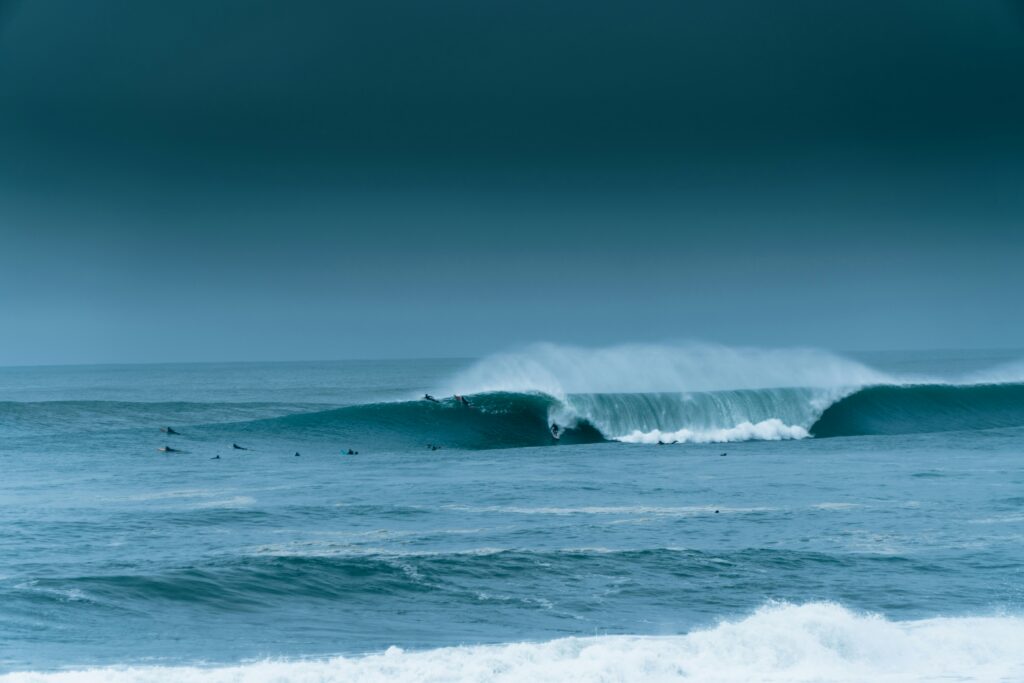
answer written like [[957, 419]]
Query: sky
[[271, 180]]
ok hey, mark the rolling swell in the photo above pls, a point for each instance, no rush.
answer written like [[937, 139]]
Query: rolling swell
[[55, 417], [917, 409], [247, 582]]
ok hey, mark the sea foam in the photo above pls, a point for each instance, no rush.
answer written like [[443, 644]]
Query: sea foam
[[780, 642], [772, 429]]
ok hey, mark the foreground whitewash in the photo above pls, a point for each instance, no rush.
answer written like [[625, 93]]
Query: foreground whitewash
[[812, 642]]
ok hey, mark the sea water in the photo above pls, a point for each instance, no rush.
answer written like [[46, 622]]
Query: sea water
[[704, 514]]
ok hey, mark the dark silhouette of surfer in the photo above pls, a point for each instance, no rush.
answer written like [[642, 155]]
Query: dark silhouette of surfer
[[169, 431], [555, 430], [238, 448], [216, 457], [296, 454], [352, 452], [428, 397], [462, 399], [168, 449]]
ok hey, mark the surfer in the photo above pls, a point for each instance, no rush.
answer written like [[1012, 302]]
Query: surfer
[[554, 429], [238, 448], [462, 399], [168, 449], [216, 457], [428, 397], [296, 454], [352, 452], [168, 430]]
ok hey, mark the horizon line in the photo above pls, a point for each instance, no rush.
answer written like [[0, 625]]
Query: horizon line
[[466, 358]]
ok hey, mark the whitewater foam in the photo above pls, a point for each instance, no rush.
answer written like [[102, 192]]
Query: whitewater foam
[[782, 642], [767, 430]]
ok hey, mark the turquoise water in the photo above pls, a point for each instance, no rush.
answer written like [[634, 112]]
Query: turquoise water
[[812, 530]]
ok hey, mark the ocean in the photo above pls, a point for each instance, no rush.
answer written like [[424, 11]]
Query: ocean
[[634, 513]]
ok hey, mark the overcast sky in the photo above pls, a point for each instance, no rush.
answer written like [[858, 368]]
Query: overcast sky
[[253, 179]]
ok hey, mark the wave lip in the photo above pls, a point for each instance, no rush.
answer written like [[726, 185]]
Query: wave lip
[[779, 642]]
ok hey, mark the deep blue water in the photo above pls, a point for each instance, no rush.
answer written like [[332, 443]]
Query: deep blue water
[[115, 553]]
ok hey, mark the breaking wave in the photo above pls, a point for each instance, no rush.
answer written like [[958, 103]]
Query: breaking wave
[[510, 420], [780, 642], [549, 394]]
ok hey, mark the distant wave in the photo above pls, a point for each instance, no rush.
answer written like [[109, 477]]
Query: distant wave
[[549, 395], [510, 420], [638, 393], [781, 642]]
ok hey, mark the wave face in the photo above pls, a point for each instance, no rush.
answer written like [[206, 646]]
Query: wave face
[[919, 409], [810, 642], [497, 420]]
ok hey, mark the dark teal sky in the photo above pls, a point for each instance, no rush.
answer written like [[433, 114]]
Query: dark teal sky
[[217, 180]]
